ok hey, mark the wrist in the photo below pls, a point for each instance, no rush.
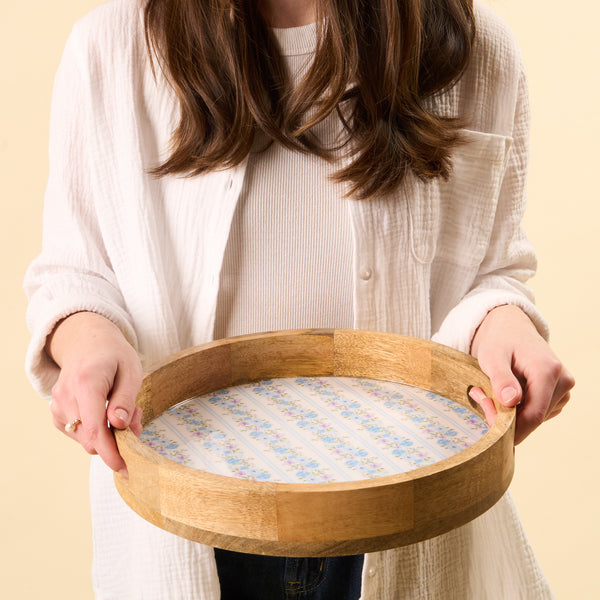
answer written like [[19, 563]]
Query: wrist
[[68, 329], [501, 318]]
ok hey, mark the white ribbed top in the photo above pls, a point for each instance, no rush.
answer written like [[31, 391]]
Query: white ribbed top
[[291, 227]]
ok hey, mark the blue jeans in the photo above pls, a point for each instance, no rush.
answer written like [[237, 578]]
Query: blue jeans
[[254, 577]]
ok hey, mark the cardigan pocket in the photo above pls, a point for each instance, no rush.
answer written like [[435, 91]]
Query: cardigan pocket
[[451, 221]]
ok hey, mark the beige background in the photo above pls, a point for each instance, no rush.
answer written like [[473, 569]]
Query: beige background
[[45, 545]]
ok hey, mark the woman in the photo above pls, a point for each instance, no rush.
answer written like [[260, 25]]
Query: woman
[[224, 167]]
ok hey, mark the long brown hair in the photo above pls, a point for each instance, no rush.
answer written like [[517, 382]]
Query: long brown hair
[[376, 63]]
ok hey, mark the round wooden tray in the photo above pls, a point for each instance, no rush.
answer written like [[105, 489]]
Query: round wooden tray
[[316, 519]]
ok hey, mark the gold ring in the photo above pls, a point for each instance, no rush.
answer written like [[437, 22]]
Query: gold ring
[[72, 426]]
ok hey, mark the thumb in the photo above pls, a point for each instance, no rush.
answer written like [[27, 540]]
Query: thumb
[[121, 406], [504, 383]]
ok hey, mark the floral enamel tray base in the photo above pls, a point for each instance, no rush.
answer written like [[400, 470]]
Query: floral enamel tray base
[[314, 430]]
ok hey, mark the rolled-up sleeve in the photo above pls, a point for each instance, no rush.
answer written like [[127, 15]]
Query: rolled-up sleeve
[[510, 259], [73, 271]]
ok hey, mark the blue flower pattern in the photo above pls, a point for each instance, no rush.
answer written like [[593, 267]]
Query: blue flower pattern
[[314, 430]]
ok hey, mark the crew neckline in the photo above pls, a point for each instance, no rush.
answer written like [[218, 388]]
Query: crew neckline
[[296, 41]]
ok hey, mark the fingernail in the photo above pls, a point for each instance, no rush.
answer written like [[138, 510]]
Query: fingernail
[[508, 394], [476, 394], [124, 473], [122, 414]]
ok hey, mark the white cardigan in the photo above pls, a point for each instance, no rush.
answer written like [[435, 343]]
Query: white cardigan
[[429, 261]]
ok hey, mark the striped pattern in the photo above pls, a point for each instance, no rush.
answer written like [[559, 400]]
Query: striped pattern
[[314, 430], [288, 261]]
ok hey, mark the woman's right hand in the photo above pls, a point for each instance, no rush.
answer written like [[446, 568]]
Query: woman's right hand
[[100, 376]]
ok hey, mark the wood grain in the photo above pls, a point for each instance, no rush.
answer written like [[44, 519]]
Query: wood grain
[[325, 519]]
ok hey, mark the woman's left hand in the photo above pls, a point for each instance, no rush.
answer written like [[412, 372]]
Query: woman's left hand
[[522, 369]]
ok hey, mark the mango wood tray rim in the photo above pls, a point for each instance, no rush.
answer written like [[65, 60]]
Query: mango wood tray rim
[[306, 519]]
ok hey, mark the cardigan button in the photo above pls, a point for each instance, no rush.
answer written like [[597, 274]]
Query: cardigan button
[[371, 572], [365, 273]]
